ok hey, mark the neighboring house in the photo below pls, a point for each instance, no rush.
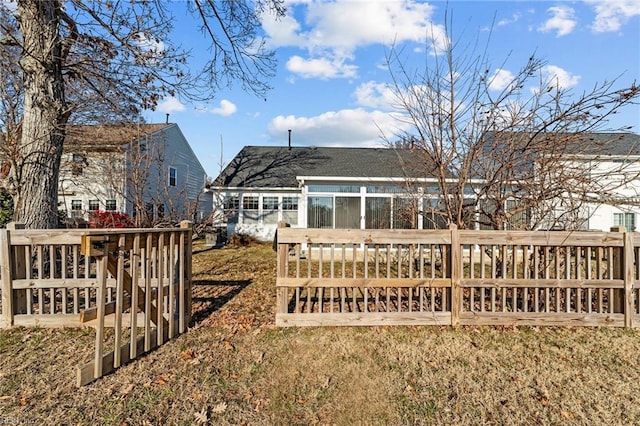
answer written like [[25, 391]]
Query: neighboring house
[[376, 188], [319, 187], [147, 171], [612, 161]]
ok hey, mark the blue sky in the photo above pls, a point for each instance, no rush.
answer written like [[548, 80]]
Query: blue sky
[[330, 85]]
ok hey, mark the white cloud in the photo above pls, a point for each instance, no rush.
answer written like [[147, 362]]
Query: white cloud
[[348, 127], [283, 31], [170, 105], [556, 77], [225, 109], [351, 24], [612, 14], [323, 68], [562, 21], [514, 18], [332, 31], [375, 95], [500, 79]]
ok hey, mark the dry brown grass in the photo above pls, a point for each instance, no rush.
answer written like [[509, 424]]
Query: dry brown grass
[[235, 367]]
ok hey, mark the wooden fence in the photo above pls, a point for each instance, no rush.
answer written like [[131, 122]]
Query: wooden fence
[[457, 277], [137, 281]]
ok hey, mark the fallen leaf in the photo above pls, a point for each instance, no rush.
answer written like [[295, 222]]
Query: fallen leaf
[[228, 346], [188, 354], [302, 401], [220, 408], [202, 417]]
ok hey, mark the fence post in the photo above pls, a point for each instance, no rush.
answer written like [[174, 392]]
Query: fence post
[[6, 278], [187, 224], [283, 257], [629, 303], [619, 255], [456, 274], [18, 270]]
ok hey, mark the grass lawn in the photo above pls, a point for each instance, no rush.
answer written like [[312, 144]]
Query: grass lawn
[[235, 367]]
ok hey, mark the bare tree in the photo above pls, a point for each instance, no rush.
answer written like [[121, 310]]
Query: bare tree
[[500, 157], [101, 48]]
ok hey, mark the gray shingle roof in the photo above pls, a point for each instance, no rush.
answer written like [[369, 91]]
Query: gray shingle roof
[[616, 144], [277, 167], [262, 166]]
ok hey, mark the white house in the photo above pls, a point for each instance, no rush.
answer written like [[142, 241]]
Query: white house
[[144, 169], [374, 188], [612, 162]]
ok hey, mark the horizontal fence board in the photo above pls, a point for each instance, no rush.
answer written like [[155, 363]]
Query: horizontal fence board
[[364, 282], [363, 319], [71, 283], [542, 238], [542, 319], [48, 321], [358, 236], [542, 283], [68, 283], [24, 237]]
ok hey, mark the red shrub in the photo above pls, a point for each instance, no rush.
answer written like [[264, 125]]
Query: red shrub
[[100, 219]]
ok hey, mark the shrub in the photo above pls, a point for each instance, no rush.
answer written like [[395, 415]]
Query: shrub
[[102, 219], [242, 240], [6, 207]]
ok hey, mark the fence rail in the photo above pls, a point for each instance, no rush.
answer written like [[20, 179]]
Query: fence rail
[[137, 281], [457, 277]]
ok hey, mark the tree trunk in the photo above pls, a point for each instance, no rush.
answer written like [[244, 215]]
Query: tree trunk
[[44, 117]]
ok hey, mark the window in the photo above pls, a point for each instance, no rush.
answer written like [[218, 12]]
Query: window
[[433, 214], [385, 189], [347, 212], [250, 202], [76, 208], [270, 210], [173, 176], [250, 205], [77, 163], [148, 208], [290, 210], [628, 220], [110, 205], [94, 205], [519, 216], [231, 204], [320, 212], [377, 213], [405, 213], [334, 188]]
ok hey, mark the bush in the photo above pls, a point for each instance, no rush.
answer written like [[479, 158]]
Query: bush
[[102, 219], [6, 207], [242, 240]]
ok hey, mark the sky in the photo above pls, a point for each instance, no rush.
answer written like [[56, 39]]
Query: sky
[[331, 82]]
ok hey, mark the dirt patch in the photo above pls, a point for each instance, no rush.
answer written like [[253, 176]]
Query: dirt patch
[[235, 367]]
